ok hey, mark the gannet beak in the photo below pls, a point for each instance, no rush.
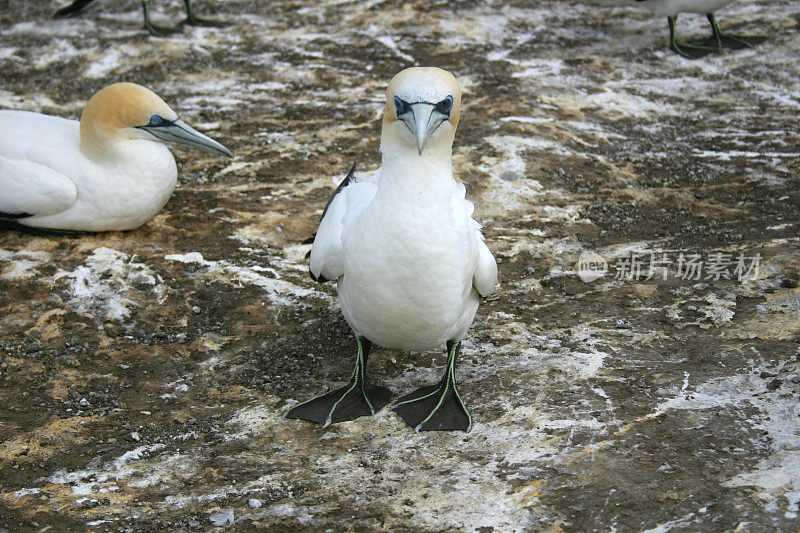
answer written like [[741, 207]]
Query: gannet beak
[[180, 132], [423, 123]]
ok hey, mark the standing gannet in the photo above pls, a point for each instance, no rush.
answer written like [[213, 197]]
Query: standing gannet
[[672, 8], [79, 6], [409, 260], [109, 171]]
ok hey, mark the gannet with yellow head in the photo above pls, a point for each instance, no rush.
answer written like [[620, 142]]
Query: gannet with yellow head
[[410, 262], [108, 172]]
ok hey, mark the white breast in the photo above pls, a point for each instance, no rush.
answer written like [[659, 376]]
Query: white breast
[[408, 269]]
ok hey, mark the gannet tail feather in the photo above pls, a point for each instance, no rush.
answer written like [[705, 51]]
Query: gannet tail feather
[[14, 216], [73, 10], [13, 225]]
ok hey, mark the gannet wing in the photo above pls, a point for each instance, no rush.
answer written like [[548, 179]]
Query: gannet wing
[[36, 161], [485, 277], [28, 188], [348, 201]]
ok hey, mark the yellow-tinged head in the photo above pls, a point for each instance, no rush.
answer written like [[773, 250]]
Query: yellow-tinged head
[[129, 111], [114, 109], [423, 106]]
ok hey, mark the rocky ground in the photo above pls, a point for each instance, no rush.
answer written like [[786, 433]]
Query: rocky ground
[[145, 374]]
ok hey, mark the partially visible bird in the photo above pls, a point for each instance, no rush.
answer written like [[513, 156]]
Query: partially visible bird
[[692, 50], [410, 262], [79, 6], [110, 171]]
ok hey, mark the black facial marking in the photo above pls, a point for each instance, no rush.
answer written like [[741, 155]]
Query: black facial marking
[[156, 121], [445, 106], [401, 106]]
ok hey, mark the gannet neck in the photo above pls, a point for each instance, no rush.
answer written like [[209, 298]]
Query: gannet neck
[[111, 115], [421, 177]]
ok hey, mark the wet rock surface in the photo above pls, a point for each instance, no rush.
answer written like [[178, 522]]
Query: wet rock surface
[[144, 374]]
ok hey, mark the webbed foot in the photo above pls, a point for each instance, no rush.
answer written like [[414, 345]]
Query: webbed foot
[[193, 20], [346, 403], [720, 40], [733, 42], [358, 398], [437, 407], [692, 50], [154, 29]]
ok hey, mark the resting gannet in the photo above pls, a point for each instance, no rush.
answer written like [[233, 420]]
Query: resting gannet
[[109, 171], [410, 262], [672, 8], [79, 6]]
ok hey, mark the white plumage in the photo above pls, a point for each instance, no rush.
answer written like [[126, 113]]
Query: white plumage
[[410, 261], [109, 171]]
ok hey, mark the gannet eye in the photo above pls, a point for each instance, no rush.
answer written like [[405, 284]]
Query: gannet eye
[[156, 121], [401, 106], [445, 106]]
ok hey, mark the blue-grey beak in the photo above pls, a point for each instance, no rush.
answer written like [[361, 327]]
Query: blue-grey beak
[[423, 121], [180, 132]]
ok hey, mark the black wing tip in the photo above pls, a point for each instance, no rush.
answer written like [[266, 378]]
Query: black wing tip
[[14, 216], [73, 10], [318, 279], [351, 174], [8, 223]]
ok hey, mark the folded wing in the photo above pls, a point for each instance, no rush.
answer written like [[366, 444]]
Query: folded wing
[[348, 201], [33, 152]]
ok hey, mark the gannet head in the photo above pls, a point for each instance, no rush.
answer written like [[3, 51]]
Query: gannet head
[[423, 105], [129, 111]]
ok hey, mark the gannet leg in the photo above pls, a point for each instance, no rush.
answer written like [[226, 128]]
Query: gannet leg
[[358, 398], [155, 30], [193, 20], [722, 40], [437, 407], [687, 50]]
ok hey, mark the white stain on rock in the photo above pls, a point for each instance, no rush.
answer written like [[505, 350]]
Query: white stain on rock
[[105, 287]]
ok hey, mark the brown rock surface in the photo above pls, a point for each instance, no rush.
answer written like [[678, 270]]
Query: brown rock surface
[[144, 374]]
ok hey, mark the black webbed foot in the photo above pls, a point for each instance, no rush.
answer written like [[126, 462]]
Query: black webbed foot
[[193, 20], [733, 42], [694, 50], [434, 408], [720, 40], [154, 29], [346, 403], [689, 50], [437, 407], [358, 398], [207, 23]]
